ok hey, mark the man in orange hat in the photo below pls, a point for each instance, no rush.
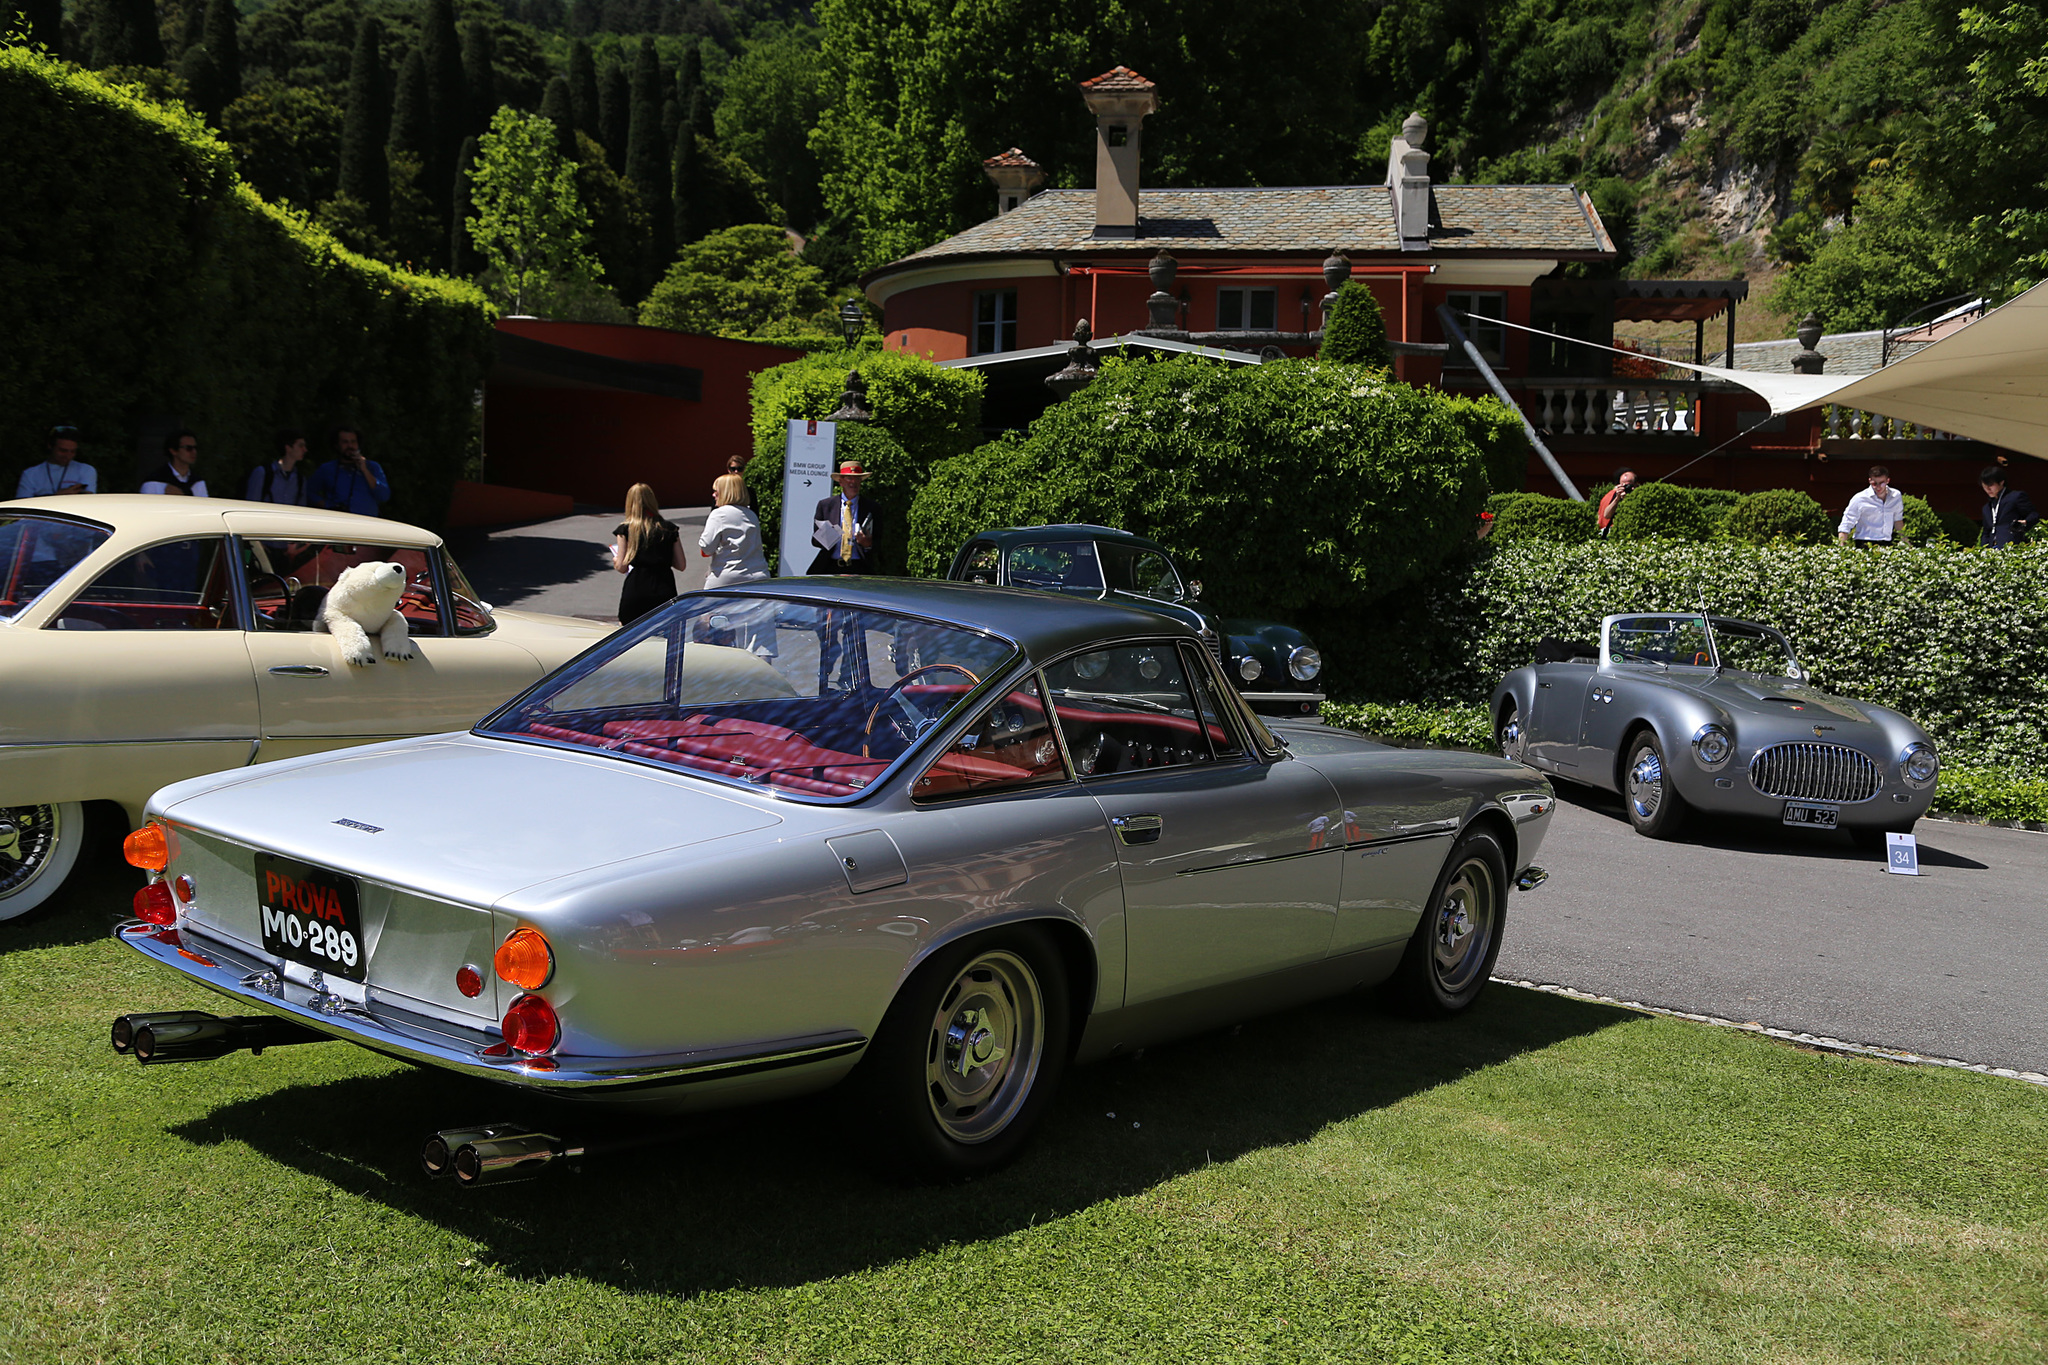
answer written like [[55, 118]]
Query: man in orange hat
[[844, 526]]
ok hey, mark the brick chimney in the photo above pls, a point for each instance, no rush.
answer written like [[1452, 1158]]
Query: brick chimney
[[1408, 177], [1017, 177], [1119, 98]]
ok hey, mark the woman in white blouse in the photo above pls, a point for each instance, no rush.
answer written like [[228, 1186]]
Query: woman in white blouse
[[732, 536]]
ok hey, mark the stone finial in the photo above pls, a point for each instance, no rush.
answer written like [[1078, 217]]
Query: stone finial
[[1163, 309], [853, 401], [1080, 367], [1162, 269], [1809, 360]]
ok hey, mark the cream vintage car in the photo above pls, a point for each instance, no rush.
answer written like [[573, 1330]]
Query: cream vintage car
[[148, 639]]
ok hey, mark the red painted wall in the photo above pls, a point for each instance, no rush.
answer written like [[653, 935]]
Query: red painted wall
[[595, 443]]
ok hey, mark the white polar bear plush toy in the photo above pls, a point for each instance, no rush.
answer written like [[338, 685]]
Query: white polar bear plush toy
[[364, 602]]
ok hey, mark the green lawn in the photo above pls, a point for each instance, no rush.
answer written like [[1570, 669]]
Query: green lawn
[[1543, 1180]]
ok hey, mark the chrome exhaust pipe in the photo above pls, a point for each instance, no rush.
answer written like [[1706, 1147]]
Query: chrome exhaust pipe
[[1531, 878], [191, 1036], [123, 1032], [501, 1160], [437, 1156]]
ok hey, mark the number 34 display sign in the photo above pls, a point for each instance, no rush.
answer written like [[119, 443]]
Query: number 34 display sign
[[1902, 854]]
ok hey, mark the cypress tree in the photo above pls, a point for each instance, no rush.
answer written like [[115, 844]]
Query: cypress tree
[[412, 122], [585, 17], [614, 113], [697, 106], [479, 55], [365, 173], [447, 99], [671, 118], [555, 108], [646, 166], [46, 24], [224, 45], [461, 248], [192, 32], [682, 181], [124, 33], [583, 88], [202, 81]]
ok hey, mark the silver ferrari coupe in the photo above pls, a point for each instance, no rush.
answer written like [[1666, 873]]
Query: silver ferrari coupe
[[935, 839], [1678, 711]]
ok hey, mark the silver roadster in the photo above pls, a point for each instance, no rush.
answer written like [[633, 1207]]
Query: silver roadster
[[1677, 712], [935, 838]]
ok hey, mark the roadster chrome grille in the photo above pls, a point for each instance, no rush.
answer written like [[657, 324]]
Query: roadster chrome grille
[[1815, 772], [1214, 642]]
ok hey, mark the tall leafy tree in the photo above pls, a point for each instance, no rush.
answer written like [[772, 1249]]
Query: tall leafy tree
[[774, 93], [124, 33], [222, 36], [739, 282], [556, 107], [447, 99], [614, 113], [644, 147], [479, 76], [528, 223], [583, 88], [365, 173]]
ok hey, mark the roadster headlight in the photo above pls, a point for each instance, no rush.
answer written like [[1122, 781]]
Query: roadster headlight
[[1304, 662], [1250, 669], [1711, 747], [1918, 766]]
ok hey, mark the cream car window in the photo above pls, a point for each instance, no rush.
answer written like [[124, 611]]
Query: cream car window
[[288, 581], [178, 585]]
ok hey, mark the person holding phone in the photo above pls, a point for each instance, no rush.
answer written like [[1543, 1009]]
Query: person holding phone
[[844, 526], [351, 481]]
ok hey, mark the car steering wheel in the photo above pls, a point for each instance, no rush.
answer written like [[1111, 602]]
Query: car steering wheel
[[868, 733], [284, 592]]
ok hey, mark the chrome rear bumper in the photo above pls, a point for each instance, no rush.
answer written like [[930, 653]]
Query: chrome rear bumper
[[396, 1032]]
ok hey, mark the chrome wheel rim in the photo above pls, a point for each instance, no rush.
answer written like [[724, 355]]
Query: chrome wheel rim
[[1465, 921], [987, 1040], [29, 839], [1512, 738], [1646, 785]]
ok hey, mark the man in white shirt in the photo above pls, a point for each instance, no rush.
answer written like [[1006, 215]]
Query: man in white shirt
[[175, 474], [61, 472], [1875, 515]]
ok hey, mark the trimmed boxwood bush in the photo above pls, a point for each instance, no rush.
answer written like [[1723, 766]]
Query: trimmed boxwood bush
[[1531, 516], [1295, 489], [1924, 525], [1904, 628], [1779, 515], [1356, 333], [1660, 511], [149, 285]]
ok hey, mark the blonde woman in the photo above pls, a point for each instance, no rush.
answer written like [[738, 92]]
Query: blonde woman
[[732, 536], [648, 550]]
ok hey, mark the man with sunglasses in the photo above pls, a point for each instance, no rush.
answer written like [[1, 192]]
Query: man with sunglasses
[[175, 474], [61, 471]]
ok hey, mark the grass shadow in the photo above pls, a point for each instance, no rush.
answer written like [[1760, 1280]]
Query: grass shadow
[[779, 1195]]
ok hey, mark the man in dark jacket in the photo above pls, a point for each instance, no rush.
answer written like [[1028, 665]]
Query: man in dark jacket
[[844, 526], [2008, 512]]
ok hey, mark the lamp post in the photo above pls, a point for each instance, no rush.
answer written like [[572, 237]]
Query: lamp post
[[853, 320]]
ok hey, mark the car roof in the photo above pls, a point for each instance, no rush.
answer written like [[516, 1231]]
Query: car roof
[[158, 515], [1066, 530], [1045, 624]]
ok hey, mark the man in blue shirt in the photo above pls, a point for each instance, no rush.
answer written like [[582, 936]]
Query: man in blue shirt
[[61, 472], [281, 480], [351, 482]]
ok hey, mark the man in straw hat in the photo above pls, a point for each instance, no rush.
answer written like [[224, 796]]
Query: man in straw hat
[[844, 526]]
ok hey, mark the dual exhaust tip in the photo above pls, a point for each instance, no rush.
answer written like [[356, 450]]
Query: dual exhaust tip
[[196, 1036], [492, 1154]]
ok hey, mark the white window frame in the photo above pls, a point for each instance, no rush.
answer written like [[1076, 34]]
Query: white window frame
[[1244, 295], [1001, 329], [1491, 308]]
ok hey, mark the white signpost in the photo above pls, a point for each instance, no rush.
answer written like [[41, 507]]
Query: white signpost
[[1902, 854], [806, 477]]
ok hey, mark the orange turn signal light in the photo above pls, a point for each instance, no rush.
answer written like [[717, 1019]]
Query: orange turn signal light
[[525, 959], [149, 848]]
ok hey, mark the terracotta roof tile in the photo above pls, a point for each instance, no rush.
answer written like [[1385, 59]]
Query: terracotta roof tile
[[1350, 218], [1117, 80], [1013, 157]]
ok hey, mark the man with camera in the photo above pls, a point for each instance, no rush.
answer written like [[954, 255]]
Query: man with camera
[[1623, 481], [350, 482]]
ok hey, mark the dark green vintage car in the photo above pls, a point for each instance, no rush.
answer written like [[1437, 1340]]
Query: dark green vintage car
[[1275, 666]]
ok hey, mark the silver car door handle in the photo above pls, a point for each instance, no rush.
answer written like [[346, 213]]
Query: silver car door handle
[[299, 671], [1137, 829]]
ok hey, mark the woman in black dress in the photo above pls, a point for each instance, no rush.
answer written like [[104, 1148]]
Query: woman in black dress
[[648, 550]]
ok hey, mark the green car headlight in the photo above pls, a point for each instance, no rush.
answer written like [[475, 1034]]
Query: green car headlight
[[1250, 669], [1304, 662]]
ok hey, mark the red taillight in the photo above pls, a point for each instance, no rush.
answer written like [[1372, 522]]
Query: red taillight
[[531, 1026], [154, 903], [469, 981], [184, 888]]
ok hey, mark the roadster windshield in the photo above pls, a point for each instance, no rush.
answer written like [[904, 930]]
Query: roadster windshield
[[36, 551], [1686, 641], [1752, 649], [807, 698]]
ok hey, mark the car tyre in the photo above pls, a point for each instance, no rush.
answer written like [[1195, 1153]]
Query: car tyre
[[38, 848], [968, 1056], [1451, 954], [1654, 806], [1510, 736]]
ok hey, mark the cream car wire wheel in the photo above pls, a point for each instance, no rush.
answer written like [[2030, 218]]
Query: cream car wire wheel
[[987, 1042], [38, 847]]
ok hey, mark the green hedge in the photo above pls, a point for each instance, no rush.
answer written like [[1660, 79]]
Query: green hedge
[[1660, 511], [148, 284], [1780, 514], [1667, 511], [1956, 639], [1296, 489], [1531, 516]]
